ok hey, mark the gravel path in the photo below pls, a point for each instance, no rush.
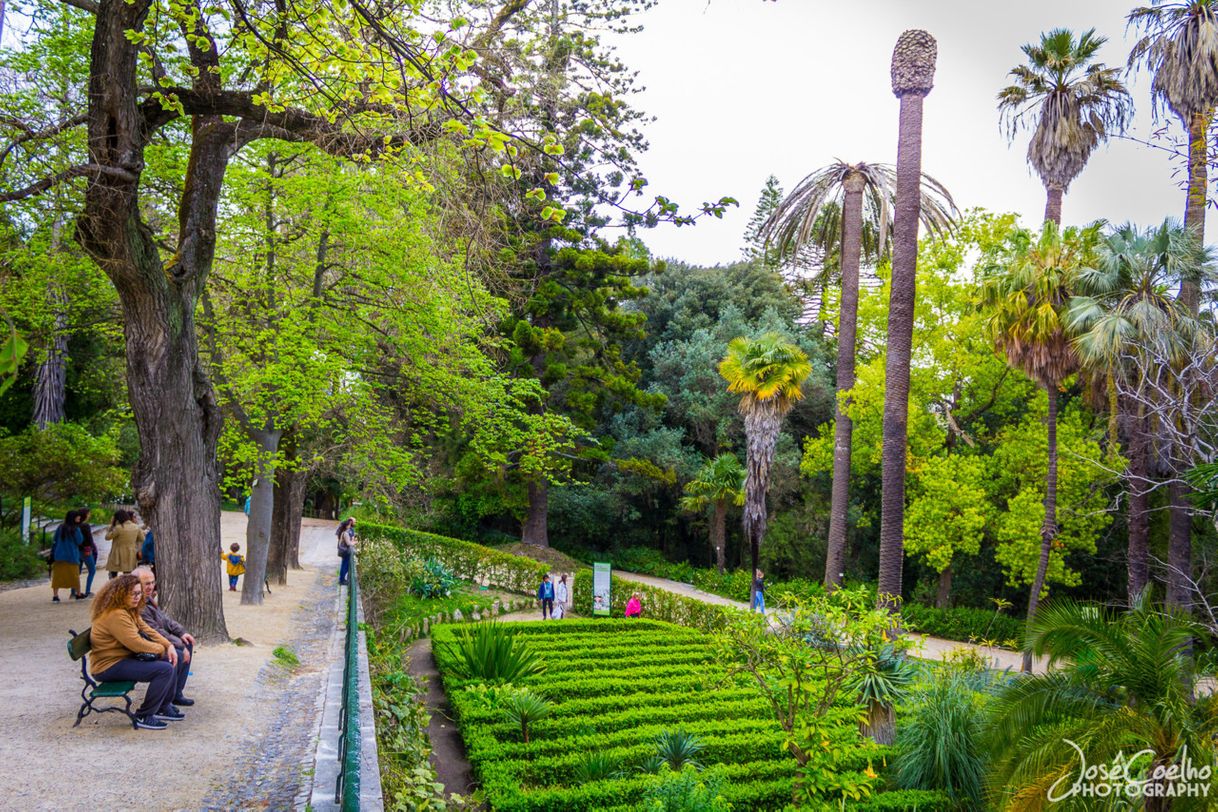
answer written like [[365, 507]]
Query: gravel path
[[931, 648], [244, 728]]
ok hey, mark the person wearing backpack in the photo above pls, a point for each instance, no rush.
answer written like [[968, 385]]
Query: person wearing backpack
[[88, 548], [346, 547]]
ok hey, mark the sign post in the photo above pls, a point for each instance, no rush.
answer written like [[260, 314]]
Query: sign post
[[600, 589], [25, 520]]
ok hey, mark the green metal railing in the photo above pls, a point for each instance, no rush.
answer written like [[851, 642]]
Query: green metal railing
[[346, 789]]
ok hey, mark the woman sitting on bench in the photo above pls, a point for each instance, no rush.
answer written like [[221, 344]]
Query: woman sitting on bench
[[121, 654]]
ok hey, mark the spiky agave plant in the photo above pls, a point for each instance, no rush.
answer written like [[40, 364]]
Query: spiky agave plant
[[488, 651], [677, 748]]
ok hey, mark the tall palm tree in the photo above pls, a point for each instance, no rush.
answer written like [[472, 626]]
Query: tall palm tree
[[1074, 103], [865, 196], [1119, 682], [768, 373], [1123, 305], [720, 483], [1027, 298], [1180, 46], [913, 74]]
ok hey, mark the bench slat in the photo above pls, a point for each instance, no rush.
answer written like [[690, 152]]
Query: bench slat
[[113, 688]]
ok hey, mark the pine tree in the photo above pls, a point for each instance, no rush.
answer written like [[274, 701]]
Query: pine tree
[[754, 242]]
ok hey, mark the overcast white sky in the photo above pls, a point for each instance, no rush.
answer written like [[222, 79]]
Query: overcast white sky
[[742, 89]]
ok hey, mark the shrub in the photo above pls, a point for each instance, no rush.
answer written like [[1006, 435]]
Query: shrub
[[524, 708], [488, 652], [964, 623], [431, 579], [684, 790], [469, 561], [597, 766], [19, 561], [659, 604], [678, 749], [939, 743]]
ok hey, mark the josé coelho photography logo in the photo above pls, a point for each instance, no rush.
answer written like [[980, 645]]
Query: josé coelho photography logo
[[1133, 776]]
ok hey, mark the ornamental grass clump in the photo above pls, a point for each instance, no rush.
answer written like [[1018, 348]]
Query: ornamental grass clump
[[490, 653]]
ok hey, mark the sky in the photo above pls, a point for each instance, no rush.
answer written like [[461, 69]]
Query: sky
[[742, 89]]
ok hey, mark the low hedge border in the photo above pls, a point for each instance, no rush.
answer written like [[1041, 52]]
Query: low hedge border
[[658, 604]]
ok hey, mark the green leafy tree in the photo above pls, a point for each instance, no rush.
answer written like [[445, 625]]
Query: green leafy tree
[[720, 483], [1027, 298], [947, 515], [1075, 103], [865, 195], [768, 373]]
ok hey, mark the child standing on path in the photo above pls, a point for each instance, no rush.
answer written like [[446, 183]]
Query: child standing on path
[[561, 597], [545, 594], [236, 565]]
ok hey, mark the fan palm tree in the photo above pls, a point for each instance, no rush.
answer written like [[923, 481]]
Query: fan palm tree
[[1070, 103], [913, 74], [1180, 46], [720, 482], [854, 201], [1123, 306], [1027, 298], [768, 373], [1117, 683]]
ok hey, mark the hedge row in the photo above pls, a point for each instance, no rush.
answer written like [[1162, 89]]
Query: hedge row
[[964, 623], [470, 562], [658, 604]]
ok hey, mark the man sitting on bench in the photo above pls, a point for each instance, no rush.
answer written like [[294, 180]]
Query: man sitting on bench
[[120, 653], [167, 627]]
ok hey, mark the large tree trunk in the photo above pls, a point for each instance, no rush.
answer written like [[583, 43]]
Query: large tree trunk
[[943, 598], [719, 533], [900, 340], [880, 723], [536, 523], [1053, 204], [176, 479], [761, 426], [1048, 531], [852, 229], [50, 380], [1180, 547], [258, 525], [1194, 209], [289, 499]]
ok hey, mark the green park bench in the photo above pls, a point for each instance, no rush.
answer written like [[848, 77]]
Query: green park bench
[[79, 646]]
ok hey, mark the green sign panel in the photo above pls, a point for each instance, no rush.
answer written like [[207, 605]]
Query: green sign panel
[[25, 520], [600, 589]]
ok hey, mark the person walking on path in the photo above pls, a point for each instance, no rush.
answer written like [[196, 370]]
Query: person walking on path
[[634, 606], [346, 548], [88, 548], [125, 648], [234, 565], [758, 591], [562, 596], [65, 557], [545, 594], [125, 539]]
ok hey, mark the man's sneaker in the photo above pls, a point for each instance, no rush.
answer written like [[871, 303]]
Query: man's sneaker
[[55, 599], [171, 715], [149, 722], [184, 701]]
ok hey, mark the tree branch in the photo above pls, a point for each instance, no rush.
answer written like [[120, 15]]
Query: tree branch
[[83, 170]]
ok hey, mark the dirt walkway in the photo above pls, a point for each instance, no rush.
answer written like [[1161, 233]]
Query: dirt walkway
[[248, 715], [931, 648]]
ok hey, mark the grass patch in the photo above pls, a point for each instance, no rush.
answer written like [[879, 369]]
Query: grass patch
[[285, 657]]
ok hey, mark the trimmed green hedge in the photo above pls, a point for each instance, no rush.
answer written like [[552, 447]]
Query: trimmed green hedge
[[658, 604], [964, 623], [471, 562]]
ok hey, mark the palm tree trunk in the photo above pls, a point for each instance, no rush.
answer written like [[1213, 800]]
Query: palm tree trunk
[[1194, 208], [852, 230], [1053, 204], [901, 299], [719, 533], [1048, 531], [1179, 548], [536, 522], [761, 426]]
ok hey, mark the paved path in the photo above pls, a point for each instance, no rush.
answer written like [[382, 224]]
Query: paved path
[[931, 648], [240, 745]]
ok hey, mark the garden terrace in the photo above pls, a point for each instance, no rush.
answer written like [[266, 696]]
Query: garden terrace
[[614, 685]]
